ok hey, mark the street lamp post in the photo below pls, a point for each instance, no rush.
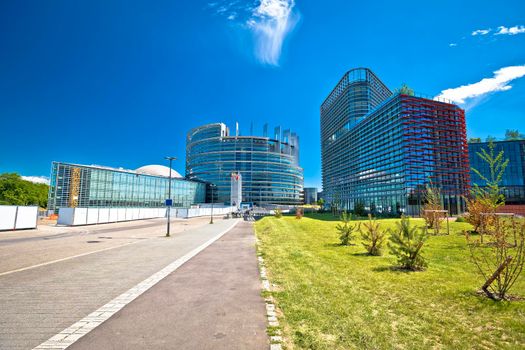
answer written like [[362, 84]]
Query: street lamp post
[[211, 215], [169, 201]]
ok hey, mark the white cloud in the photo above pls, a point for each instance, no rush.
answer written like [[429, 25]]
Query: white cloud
[[481, 31], [36, 179], [452, 44], [499, 82], [270, 22], [502, 30]]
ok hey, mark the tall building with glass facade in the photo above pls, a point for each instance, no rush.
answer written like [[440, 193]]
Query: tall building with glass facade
[[269, 166], [382, 148], [87, 186], [513, 181], [310, 195]]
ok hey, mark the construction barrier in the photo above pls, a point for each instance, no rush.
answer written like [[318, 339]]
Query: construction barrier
[[91, 216], [13, 217]]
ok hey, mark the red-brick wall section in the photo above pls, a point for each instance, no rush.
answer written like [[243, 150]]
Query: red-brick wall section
[[518, 209]]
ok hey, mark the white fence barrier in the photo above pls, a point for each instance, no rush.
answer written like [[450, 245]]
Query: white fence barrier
[[194, 212], [89, 216], [14, 217]]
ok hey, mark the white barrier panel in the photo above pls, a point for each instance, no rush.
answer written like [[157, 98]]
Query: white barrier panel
[[113, 214], [92, 216], [121, 216], [7, 217], [103, 215], [134, 213], [129, 214], [65, 216], [26, 217], [80, 216]]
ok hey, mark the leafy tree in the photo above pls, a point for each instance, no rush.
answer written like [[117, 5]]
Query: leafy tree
[[16, 191], [336, 203], [373, 238], [490, 193], [513, 135], [278, 213], [406, 90], [320, 202], [432, 203], [346, 229], [359, 209], [486, 199], [490, 139], [474, 140], [406, 242]]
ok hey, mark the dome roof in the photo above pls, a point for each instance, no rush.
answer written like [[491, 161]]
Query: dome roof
[[158, 170]]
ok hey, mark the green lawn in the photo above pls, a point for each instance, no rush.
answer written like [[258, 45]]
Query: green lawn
[[335, 297]]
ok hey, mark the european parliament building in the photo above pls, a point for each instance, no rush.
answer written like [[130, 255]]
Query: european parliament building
[[88, 186], [269, 165], [382, 148]]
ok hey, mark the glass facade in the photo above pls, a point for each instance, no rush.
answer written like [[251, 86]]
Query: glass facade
[[84, 186], [269, 166], [384, 154], [513, 181], [310, 195]]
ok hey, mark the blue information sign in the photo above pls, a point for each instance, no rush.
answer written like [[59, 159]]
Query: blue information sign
[[169, 202]]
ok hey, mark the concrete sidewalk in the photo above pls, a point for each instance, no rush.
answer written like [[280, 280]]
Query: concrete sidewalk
[[211, 302]]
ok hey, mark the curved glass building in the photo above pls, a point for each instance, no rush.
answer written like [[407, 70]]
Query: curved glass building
[[269, 165]]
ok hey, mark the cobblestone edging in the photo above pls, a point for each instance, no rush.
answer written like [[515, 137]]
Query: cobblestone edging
[[275, 340], [71, 334]]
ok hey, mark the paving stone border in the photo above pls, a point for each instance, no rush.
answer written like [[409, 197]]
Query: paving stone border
[[275, 340], [71, 334]]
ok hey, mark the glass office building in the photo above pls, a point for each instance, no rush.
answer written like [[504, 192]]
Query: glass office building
[[87, 186], [310, 195], [269, 165], [513, 181], [382, 148]]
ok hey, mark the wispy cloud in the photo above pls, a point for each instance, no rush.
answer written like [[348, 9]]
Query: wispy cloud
[[452, 44], [502, 30], [36, 179], [481, 31], [270, 22], [499, 82]]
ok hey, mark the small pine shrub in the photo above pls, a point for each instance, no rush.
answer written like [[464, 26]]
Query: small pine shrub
[[299, 213], [461, 219], [373, 238], [278, 213], [346, 229], [406, 242]]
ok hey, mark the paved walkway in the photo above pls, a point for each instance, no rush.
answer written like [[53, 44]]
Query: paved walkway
[[38, 303], [211, 302]]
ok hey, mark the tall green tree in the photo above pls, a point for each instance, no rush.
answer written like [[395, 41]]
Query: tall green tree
[[16, 191]]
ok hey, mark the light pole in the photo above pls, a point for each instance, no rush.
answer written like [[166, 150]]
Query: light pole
[[169, 201], [212, 186]]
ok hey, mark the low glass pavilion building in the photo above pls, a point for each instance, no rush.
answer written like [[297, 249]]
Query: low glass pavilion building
[[87, 186], [269, 165]]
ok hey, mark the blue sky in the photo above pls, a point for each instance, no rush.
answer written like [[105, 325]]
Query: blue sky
[[119, 83]]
